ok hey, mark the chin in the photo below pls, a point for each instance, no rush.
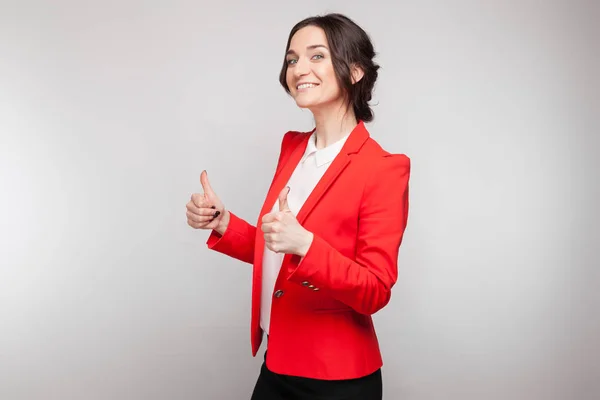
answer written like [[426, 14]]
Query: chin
[[306, 103]]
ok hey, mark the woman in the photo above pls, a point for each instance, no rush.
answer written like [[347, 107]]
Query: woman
[[326, 243]]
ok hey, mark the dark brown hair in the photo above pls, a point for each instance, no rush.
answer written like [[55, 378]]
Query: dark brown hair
[[350, 46]]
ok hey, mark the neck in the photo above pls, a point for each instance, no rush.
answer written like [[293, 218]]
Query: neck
[[332, 125]]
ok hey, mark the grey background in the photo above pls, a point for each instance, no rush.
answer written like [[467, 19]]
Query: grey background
[[110, 110]]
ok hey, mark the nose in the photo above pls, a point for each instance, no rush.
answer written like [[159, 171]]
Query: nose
[[302, 67]]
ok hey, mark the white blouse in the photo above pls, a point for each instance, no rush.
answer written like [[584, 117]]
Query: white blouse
[[305, 177]]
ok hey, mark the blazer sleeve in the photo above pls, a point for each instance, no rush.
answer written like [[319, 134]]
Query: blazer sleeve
[[237, 241], [239, 238], [365, 282]]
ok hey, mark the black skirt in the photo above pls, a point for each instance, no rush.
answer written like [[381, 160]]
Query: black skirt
[[273, 386]]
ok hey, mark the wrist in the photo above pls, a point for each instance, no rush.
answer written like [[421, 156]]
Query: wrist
[[223, 223], [304, 249]]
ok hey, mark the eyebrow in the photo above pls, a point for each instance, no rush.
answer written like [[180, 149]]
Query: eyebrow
[[311, 47]]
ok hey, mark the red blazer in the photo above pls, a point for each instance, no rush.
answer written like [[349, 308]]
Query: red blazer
[[321, 325]]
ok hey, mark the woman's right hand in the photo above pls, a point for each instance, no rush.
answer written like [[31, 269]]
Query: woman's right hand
[[205, 210]]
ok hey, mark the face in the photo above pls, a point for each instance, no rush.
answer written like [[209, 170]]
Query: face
[[310, 75]]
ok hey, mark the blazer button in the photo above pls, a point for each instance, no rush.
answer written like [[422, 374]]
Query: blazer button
[[305, 283], [279, 293]]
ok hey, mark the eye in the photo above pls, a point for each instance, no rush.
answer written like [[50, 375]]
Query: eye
[[291, 61], [318, 56]]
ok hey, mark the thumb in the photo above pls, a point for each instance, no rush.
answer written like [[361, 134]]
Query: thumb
[[205, 185], [283, 203]]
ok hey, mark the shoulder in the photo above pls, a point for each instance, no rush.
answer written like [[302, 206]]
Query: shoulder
[[292, 137], [290, 140], [386, 180], [380, 159]]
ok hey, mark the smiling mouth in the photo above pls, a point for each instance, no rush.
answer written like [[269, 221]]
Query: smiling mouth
[[307, 86]]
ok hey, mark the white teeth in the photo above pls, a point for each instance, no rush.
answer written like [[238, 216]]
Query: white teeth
[[307, 85]]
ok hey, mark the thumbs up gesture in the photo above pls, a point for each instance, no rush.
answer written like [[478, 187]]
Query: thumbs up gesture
[[282, 231], [205, 210]]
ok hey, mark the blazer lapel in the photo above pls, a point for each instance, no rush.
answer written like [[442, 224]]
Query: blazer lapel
[[283, 176], [357, 138], [353, 144]]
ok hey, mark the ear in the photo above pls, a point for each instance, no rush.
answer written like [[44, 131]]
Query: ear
[[357, 73]]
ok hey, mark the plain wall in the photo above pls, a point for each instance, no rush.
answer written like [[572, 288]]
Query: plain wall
[[110, 110]]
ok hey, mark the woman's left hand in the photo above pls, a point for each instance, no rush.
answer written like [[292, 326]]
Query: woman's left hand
[[282, 231]]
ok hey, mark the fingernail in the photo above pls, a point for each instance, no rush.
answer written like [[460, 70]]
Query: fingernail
[[217, 214]]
